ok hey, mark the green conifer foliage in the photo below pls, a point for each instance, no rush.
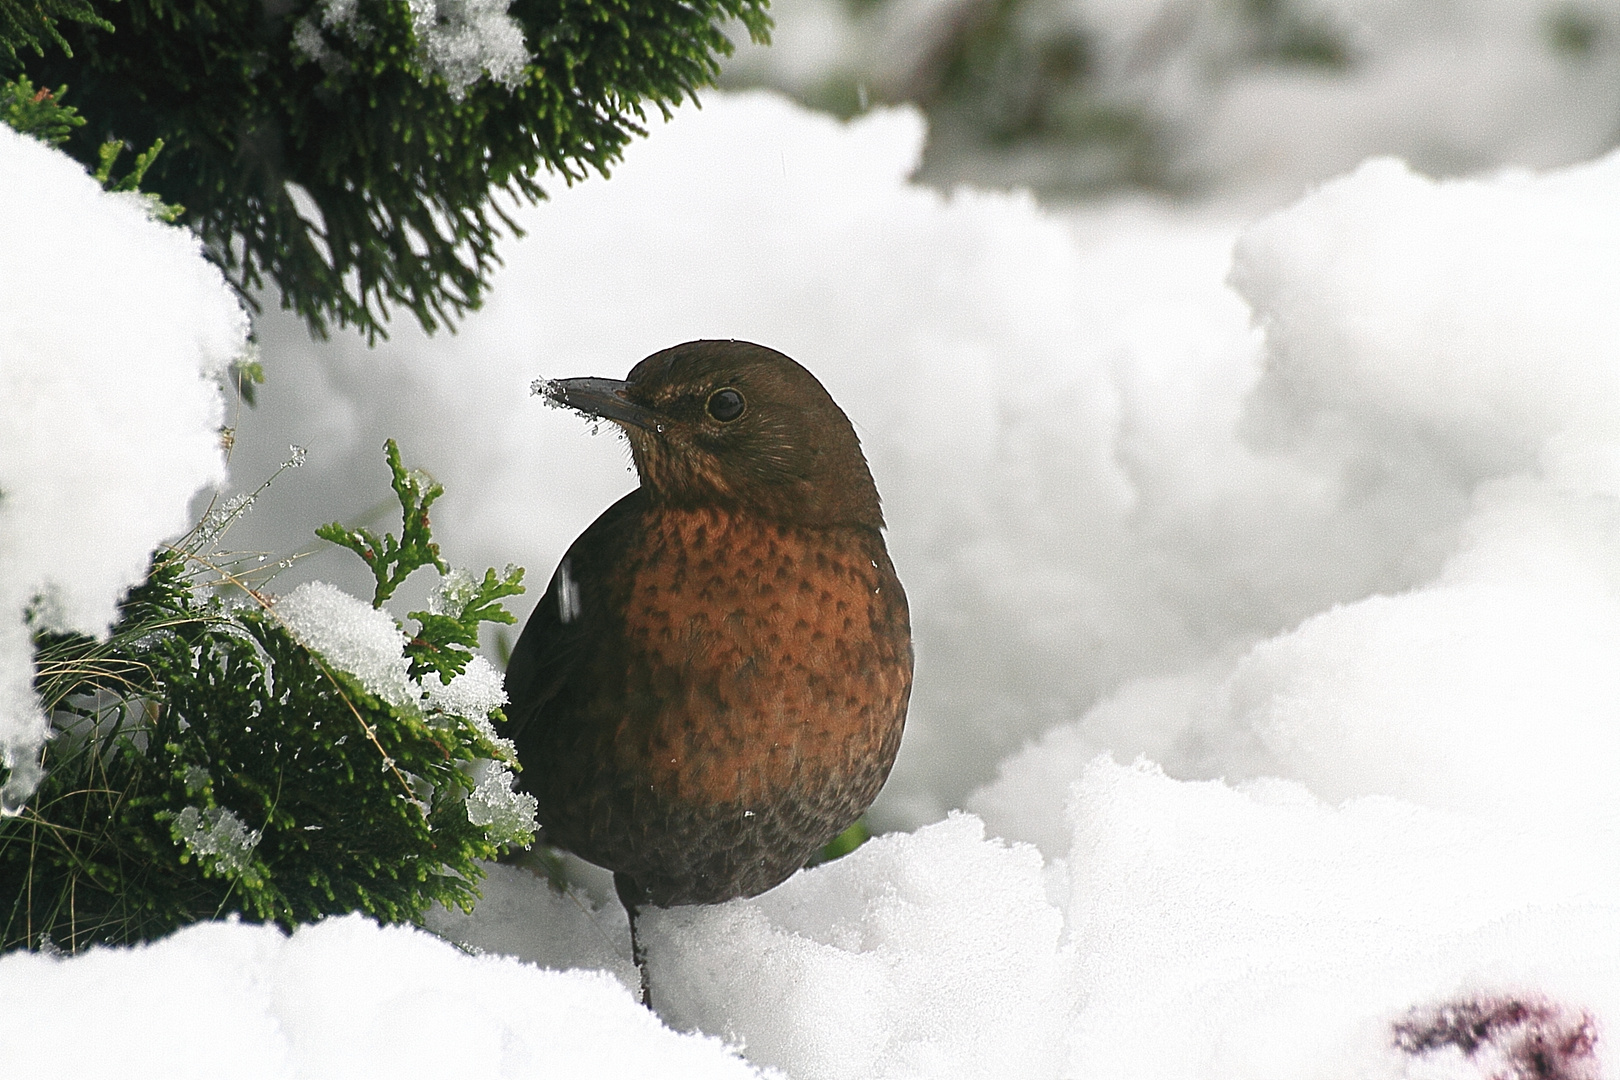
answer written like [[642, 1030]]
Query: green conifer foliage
[[259, 102], [206, 761], [32, 24], [38, 113]]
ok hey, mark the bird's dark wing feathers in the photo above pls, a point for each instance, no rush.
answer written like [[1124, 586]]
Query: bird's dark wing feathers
[[550, 648]]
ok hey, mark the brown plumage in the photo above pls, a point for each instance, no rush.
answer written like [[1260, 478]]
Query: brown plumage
[[715, 682]]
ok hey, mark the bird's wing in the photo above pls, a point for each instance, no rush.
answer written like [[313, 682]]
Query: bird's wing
[[555, 639]]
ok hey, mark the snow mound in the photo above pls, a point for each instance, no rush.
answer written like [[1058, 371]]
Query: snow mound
[[1260, 933], [931, 954], [1473, 320], [112, 335], [342, 998], [521, 915], [1426, 342]]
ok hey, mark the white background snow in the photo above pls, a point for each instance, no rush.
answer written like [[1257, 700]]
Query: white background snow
[[1265, 571]]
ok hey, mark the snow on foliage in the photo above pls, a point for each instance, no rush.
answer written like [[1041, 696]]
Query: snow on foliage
[[217, 836], [366, 642], [507, 815], [113, 334], [458, 39], [473, 694], [462, 39], [352, 636]]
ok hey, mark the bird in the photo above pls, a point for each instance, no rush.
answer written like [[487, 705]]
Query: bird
[[715, 682]]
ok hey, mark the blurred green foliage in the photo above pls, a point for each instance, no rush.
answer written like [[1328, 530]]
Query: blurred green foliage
[[32, 25]]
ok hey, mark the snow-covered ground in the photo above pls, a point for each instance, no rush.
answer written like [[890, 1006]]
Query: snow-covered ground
[[1266, 584]]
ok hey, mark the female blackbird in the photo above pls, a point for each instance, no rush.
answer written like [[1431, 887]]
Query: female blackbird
[[714, 684]]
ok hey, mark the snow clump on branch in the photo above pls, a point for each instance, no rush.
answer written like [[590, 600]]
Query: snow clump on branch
[[115, 335]]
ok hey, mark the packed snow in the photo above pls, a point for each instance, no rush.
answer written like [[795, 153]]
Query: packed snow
[[1266, 585], [114, 335]]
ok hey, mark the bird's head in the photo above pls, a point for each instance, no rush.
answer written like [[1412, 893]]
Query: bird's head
[[734, 424]]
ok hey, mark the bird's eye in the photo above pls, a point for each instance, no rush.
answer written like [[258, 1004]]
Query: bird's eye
[[726, 404]]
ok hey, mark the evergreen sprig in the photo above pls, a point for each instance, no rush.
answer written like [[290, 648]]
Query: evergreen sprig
[[445, 638], [41, 114], [393, 560], [131, 181], [37, 112], [31, 25]]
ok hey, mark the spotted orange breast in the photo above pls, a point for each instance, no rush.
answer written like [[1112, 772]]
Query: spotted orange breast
[[767, 657]]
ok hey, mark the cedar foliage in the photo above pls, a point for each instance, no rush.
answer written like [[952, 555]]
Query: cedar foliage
[[32, 25], [205, 762]]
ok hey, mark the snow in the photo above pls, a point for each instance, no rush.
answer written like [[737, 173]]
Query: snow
[[340, 999], [461, 40], [1261, 933], [472, 694], [507, 814], [353, 637], [931, 954], [113, 334], [216, 836], [584, 927], [1266, 585]]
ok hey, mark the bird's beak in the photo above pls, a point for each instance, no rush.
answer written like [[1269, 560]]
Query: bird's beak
[[598, 397]]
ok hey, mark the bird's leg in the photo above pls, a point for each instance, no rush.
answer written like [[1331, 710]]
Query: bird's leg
[[639, 955], [630, 895]]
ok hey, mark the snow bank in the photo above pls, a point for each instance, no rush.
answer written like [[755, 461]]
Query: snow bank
[[1461, 330], [1453, 340], [1262, 934], [342, 998], [1472, 320], [113, 331], [931, 954], [519, 915]]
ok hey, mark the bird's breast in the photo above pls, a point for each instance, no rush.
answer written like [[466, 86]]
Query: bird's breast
[[765, 656]]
